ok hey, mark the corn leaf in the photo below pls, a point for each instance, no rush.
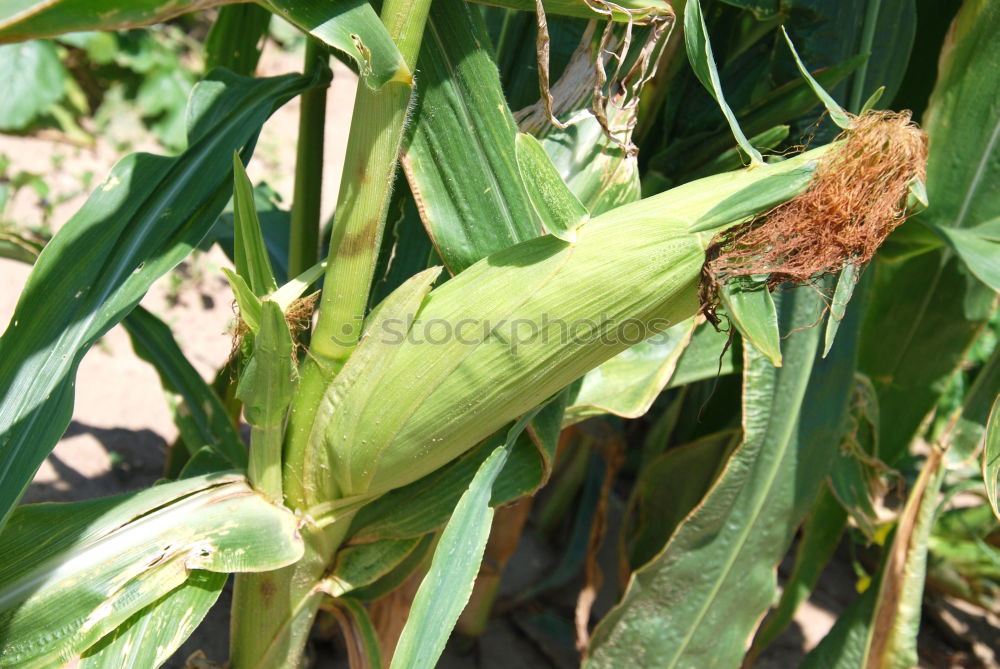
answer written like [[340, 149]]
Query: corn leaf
[[558, 208], [28, 19], [710, 354], [756, 197], [991, 457], [820, 537], [144, 219], [978, 247], [359, 566], [699, 51], [76, 572], [353, 27], [251, 257], [919, 327], [362, 640], [268, 381], [460, 160], [698, 600], [752, 311], [445, 589], [846, 283], [837, 112], [628, 384], [200, 416], [234, 42], [150, 637], [33, 79]]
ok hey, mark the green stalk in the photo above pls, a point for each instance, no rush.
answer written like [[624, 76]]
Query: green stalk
[[867, 38], [365, 190], [303, 245], [264, 470], [377, 126]]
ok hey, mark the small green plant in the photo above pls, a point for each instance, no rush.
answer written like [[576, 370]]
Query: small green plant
[[550, 213]]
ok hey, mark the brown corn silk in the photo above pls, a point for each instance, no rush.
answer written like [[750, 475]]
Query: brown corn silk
[[856, 198]]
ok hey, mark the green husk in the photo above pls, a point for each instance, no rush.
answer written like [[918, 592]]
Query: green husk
[[531, 318]]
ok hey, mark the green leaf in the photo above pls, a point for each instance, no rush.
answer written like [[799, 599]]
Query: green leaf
[[837, 112], [362, 640], [26, 19], [670, 487], [76, 572], [234, 42], [351, 26], [991, 457], [144, 219], [558, 208], [820, 537], [628, 384], [756, 197], [249, 304], [359, 566], [201, 418], [698, 600], [846, 283], [268, 381], [460, 160], [919, 327], [753, 313], [699, 51], [150, 637], [978, 247], [637, 11], [252, 262], [710, 354], [445, 589], [32, 79]]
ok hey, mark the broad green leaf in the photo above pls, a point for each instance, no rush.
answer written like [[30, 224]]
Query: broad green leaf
[[268, 381], [991, 457], [32, 79], [978, 247], [351, 26], [670, 487], [359, 566], [558, 208], [919, 326], [628, 384], [199, 415], [445, 589], [846, 283], [234, 42], [144, 219], [27, 19], [150, 637], [699, 51], [753, 313], [398, 574], [76, 572], [856, 474], [761, 9], [821, 534], [962, 119], [252, 262], [698, 600], [837, 112], [460, 159]]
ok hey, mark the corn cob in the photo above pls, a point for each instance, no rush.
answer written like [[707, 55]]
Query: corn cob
[[400, 409]]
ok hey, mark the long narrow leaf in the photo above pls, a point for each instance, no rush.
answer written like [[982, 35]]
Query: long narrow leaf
[[144, 219], [75, 572]]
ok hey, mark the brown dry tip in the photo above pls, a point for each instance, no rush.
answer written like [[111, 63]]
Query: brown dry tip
[[855, 199], [298, 317]]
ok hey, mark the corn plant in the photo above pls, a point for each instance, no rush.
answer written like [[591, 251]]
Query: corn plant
[[550, 213]]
